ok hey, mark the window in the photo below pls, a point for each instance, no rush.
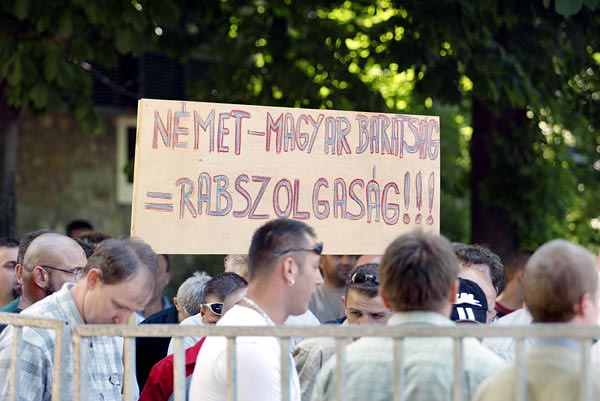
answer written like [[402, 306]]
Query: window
[[125, 156]]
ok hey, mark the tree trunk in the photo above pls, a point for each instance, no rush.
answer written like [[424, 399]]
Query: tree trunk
[[9, 118], [490, 225]]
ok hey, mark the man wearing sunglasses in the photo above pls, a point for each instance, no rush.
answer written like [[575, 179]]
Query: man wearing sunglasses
[[418, 280], [362, 304], [211, 307], [283, 274], [159, 386]]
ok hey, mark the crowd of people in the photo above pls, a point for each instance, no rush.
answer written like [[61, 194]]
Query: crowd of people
[[423, 279]]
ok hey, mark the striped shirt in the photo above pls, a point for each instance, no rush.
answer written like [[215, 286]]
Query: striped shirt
[[103, 370]]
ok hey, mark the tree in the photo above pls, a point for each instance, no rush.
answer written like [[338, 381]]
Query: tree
[[523, 75], [509, 65], [46, 54]]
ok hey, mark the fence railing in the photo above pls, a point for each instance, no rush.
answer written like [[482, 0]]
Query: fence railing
[[341, 334]]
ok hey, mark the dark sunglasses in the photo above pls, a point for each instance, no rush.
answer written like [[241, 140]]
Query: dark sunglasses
[[216, 308], [75, 271], [318, 249], [360, 278]]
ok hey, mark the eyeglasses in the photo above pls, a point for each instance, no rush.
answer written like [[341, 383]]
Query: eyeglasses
[[215, 307], [75, 271], [318, 249], [360, 278]]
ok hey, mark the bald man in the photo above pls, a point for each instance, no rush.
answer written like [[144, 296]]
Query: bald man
[[50, 261], [561, 286]]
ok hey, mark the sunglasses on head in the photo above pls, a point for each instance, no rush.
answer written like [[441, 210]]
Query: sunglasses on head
[[215, 307], [360, 278], [318, 249]]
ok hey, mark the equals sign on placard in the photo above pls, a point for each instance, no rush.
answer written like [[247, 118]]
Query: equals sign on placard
[[162, 206]]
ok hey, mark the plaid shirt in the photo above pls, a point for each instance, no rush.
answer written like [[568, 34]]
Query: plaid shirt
[[428, 366], [103, 370]]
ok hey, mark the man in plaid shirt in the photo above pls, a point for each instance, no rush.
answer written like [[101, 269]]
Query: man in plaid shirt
[[117, 280]]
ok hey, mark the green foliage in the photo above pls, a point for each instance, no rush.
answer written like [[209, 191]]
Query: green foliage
[[46, 49], [384, 56]]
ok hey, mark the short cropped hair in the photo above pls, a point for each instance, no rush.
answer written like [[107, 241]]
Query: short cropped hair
[[27, 240], [221, 285], [274, 236], [480, 255], [516, 262], [417, 272], [556, 276], [8, 242], [190, 293], [364, 279], [118, 260]]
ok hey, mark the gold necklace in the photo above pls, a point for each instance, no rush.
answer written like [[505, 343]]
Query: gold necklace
[[258, 309]]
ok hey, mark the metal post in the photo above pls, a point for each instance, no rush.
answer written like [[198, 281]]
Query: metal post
[[232, 374], [14, 370], [340, 368], [398, 369], [284, 345], [62, 355], [179, 370], [520, 370], [587, 389], [458, 368], [128, 374]]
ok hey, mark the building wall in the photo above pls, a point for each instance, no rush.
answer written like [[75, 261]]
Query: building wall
[[65, 174]]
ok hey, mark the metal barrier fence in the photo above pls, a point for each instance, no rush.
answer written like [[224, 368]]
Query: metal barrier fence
[[341, 334]]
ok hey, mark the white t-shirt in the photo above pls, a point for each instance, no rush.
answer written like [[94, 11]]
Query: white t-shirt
[[258, 364], [194, 320], [304, 320]]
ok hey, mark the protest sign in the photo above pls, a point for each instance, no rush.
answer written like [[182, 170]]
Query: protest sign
[[208, 174]]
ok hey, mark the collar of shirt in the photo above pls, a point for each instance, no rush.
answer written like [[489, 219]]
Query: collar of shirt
[[558, 342], [419, 317]]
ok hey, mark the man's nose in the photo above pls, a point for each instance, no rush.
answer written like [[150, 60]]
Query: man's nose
[[121, 317]]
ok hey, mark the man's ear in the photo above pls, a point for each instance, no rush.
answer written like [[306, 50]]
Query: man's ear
[[94, 275], [344, 300], [19, 273], [41, 278], [453, 291], [289, 270]]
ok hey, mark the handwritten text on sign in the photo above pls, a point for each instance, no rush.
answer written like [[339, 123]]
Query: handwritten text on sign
[[207, 175]]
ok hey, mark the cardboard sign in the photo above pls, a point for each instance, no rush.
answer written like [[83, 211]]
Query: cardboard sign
[[208, 175]]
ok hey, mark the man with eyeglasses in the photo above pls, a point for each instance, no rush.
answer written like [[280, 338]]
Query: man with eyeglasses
[[363, 305], [418, 280], [51, 260], [283, 274], [9, 286], [116, 281]]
